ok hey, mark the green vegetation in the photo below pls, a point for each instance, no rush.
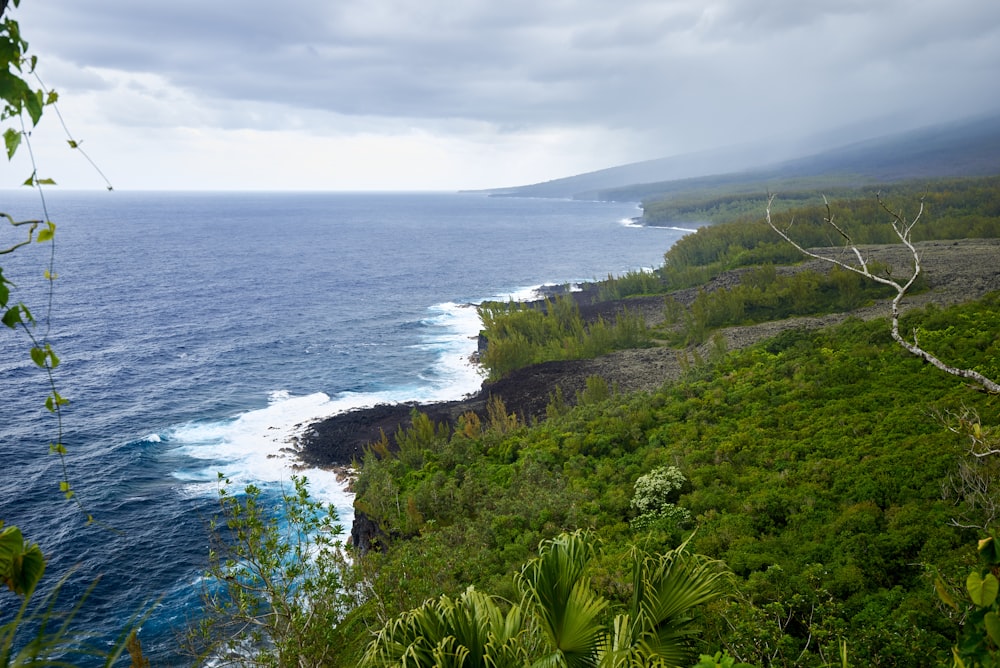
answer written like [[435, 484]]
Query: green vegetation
[[727, 206], [744, 202], [21, 562], [814, 469], [979, 643], [522, 334], [956, 209], [637, 282], [823, 467], [274, 595], [763, 295]]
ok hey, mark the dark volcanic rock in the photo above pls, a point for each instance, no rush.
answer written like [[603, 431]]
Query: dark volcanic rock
[[366, 535], [341, 439]]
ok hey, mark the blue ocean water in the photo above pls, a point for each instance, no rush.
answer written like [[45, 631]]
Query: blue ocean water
[[198, 333]]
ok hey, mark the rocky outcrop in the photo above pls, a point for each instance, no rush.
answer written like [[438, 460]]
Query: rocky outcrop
[[367, 535]]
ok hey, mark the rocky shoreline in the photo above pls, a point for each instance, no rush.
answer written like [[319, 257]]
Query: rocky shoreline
[[956, 270]]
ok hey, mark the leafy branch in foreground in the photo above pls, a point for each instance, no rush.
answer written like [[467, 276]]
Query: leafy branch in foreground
[[979, 642], [20, 100], [903, 229], [41, 633], [273, 594]]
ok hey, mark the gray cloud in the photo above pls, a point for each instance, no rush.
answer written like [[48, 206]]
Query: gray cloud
[[682, 73]]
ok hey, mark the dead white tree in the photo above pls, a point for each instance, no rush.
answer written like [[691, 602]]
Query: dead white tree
[[903, 229]]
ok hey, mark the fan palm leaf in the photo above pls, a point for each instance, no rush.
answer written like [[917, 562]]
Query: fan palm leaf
[[566, 610], [668, 589], [469, 631]]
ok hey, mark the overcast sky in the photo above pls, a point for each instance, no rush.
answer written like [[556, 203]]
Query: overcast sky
[[449, 94]]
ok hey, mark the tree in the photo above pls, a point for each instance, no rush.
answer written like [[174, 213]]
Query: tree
[[273, 594], [903, 229]]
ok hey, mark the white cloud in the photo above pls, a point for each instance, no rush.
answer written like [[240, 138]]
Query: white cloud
[[429, 85]]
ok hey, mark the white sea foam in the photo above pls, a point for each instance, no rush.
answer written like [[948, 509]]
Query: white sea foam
[[637, 222], [259, 446], [630, 222], [536, 292], [454, 336]]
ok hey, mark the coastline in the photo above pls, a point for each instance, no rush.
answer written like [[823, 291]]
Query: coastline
[[339, 441], [957, 270]]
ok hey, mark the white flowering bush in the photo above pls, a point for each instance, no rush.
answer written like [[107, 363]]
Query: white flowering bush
[[655, 498]]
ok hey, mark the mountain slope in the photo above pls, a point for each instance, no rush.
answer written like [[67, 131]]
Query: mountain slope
[[962, 148]]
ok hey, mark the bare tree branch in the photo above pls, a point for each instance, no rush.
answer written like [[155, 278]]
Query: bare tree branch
[[903, 229], [974, 484]]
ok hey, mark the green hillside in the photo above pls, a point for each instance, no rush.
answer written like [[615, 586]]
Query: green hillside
[[829, 469]]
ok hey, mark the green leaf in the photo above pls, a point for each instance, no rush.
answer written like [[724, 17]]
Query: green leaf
[[12, 138], [989, 551], [12, 317], [72, 144], [30, 181], [52, 402], [46, 182], [992, 621], [942, 592], [982, 590], [21, 562], [38, 356], [33, 105], [49, 231]]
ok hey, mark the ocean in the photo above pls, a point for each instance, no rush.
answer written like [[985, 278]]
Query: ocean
[[198, 332]]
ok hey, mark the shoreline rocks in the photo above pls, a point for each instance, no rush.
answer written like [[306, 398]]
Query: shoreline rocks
[[956, 270]]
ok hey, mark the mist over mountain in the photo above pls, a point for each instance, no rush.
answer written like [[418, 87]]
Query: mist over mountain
[[969, 147]]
